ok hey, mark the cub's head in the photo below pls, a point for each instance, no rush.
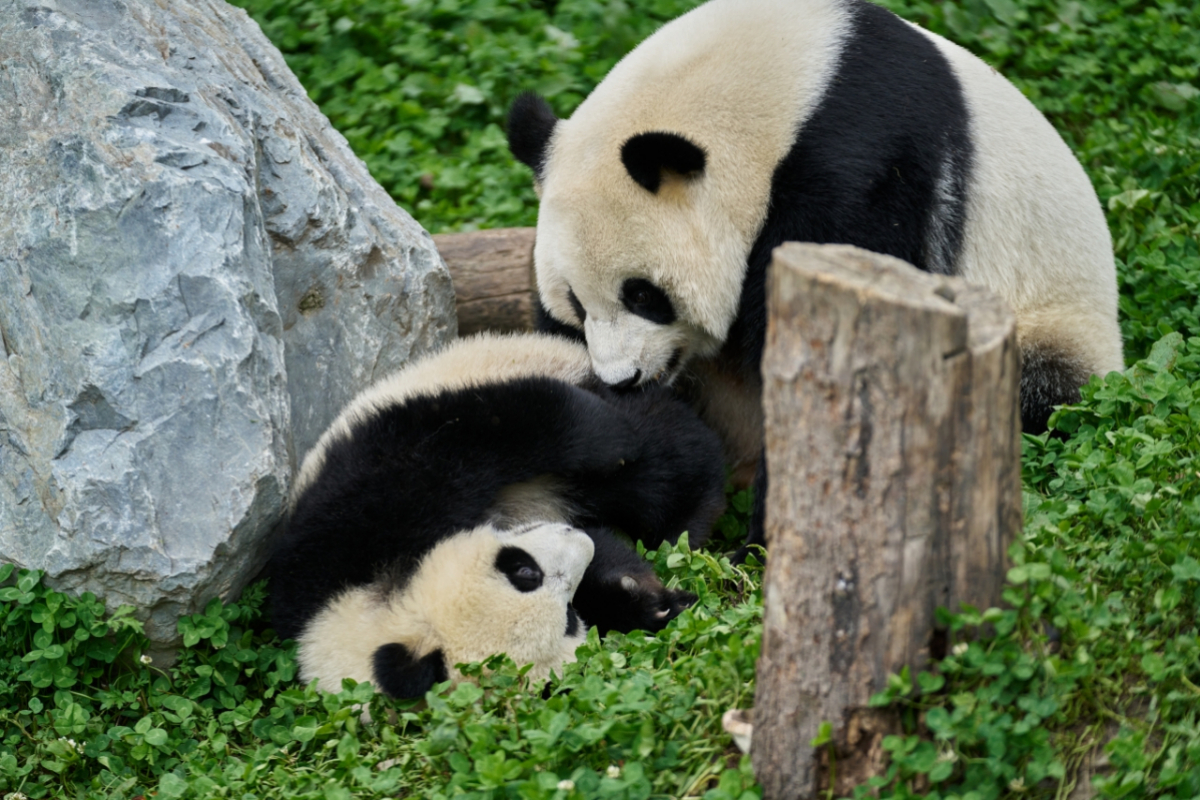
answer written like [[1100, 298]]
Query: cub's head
[[476, 594], [639, 245]]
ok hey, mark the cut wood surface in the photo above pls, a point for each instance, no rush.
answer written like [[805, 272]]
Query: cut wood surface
[[892, 437], [493, 278]]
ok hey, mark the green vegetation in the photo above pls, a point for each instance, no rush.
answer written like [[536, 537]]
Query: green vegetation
[[421, 88], [83, 715], [1099, 647]]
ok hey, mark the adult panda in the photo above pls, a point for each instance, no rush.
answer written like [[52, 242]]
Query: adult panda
[[506, 433], [747, 123]]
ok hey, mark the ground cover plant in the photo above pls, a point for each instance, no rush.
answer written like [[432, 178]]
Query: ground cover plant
[[1091, 673]]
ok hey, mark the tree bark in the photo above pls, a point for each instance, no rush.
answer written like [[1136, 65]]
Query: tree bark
[[493, 278], [893, 446]]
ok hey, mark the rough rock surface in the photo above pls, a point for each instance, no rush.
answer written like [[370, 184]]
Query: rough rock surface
[[195, 274]]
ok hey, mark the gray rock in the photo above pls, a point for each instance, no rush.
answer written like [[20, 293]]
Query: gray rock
[[195, 274]]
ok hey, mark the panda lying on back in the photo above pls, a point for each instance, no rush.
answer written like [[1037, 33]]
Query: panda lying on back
[[747, 123], [436, 476]]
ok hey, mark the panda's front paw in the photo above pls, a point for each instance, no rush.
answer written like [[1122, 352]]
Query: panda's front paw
[[658, 603], [633, 601]]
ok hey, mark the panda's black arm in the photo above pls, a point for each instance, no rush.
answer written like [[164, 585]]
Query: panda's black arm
[[676, 485], [621, 592]]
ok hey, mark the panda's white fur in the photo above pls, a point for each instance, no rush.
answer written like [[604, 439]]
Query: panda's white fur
[[741, 79], [458, 603]]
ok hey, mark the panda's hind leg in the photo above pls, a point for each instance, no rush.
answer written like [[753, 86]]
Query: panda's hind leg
[[1050, 377], [1062, 346]]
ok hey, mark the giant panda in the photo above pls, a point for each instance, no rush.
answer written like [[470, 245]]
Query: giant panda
[[747, 123], [497, 432]]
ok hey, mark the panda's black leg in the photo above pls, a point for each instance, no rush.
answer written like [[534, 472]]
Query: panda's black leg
[[620, 591], [466, 446], [1049, 377], [399, 674], [755, 534], [676, 485]]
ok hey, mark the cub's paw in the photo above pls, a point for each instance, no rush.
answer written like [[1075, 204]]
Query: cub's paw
[[632, 601], [656, 604]]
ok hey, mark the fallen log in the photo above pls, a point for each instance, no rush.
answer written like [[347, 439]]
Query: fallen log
[[493, 278]]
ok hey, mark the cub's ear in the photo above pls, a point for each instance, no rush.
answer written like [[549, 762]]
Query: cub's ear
[[531, 122], [648, 156], [401, 675]]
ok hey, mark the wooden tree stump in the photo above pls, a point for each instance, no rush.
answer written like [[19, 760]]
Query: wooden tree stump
[[893, 447], [493, 278]]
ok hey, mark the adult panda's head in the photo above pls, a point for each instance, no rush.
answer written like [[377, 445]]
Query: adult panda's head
[[655, 190], [476, 594], [631, 247]]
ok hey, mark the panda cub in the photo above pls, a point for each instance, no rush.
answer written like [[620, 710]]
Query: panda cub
[[494, 436], [744, 124]]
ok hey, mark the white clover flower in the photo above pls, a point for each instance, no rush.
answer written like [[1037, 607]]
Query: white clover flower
[[567, 785], [948, 755], [960, 648], [71, 743], [15, 796], [1017, 784], [613, 771], [145, 659]]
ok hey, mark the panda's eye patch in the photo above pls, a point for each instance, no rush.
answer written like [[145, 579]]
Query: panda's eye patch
[[520, 568], [577, 306], [648, 301]]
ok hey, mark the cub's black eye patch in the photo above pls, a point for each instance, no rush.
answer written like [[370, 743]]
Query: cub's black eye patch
[[580, 311], [648, 301], [520, 568]]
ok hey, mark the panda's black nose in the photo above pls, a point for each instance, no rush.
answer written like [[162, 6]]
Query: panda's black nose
[[628, 383]]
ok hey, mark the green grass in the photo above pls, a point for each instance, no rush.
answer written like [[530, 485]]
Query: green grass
[[1098, 647]]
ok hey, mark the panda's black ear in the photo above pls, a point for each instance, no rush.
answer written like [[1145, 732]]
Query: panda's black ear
[[400, 674], [647, 155], [531, 122]]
